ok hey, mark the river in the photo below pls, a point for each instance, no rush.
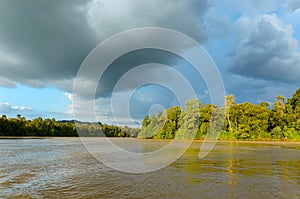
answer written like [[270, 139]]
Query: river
[[62, 168]]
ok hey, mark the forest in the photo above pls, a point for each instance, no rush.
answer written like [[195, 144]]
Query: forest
[[20, 126], [234, 121]]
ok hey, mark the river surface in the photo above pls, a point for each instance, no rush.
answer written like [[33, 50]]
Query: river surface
[[62, 168]]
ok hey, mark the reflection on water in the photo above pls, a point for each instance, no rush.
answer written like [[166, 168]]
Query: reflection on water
[[62, 168]]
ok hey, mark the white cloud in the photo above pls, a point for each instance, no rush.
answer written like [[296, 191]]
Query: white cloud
[[69, 96], [7, 108], [94, 110], [23, 108], [266, 50]]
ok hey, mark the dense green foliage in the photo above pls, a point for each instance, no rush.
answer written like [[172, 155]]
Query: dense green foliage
[[243, 121], [19, 126]]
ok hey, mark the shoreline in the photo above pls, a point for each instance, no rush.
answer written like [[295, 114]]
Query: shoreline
[[260, 141], [22, 137], [165, 140], [233, 141]]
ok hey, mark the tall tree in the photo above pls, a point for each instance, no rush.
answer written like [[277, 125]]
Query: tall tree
[[172, 122], [278, 116], [229, 102], [278, 120], [190, 120]]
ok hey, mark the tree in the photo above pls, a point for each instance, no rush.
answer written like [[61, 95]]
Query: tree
[[150, 130], [278, 116], [229, 102], [211, 121], [251, 120], [171, 123], [293, 108], [146, 121], [242, 121], [190, 120], [294, 101], [264, 104]]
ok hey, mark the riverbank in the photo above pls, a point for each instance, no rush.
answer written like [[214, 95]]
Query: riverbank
[[23, 137], [234, 141], [283, 142], [259, 141]]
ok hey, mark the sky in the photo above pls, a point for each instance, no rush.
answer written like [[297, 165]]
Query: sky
[[254, 44]]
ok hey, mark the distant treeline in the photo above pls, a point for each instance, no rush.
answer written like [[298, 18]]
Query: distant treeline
[[20, 126], [243, 121]]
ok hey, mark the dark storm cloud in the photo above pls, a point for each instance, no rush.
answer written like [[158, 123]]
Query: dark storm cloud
[[44, 42], [45, 39], [130, 60], [266, 50]]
